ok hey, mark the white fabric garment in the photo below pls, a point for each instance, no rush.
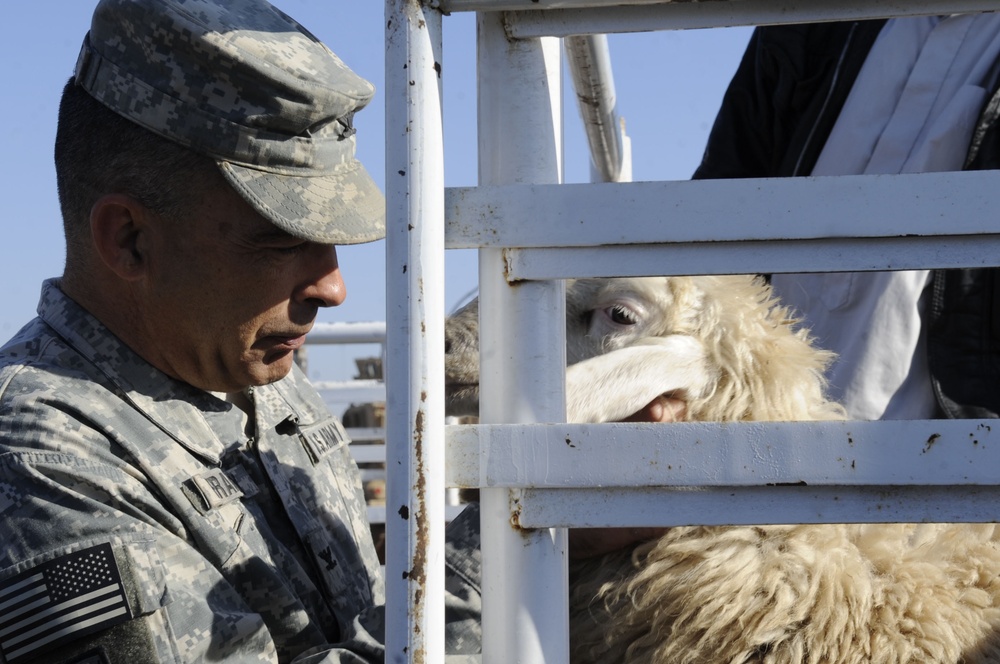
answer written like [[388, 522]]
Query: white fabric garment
[[912, 109]]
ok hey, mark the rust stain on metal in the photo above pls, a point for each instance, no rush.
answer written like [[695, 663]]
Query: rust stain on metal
[[515, 520], [515, 514], [418, 572], [930, 442], [508, 266]]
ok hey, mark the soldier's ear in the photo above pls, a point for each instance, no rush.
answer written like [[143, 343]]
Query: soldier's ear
[[118, 227]]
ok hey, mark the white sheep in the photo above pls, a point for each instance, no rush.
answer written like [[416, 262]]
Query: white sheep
[[873, 593]]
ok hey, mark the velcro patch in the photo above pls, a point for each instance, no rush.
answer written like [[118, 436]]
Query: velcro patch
[[211, 490], [60, 600], [320, 439]]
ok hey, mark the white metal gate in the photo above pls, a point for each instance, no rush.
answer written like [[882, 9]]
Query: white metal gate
[[533, 231]]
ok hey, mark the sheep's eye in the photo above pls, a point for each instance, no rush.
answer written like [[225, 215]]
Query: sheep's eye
[[622, 315]]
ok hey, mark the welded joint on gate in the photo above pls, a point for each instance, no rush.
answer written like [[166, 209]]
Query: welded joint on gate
[[514, 497], [507, 256]]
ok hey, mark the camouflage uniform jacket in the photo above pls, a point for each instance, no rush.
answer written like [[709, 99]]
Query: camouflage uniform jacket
[[140, 523]]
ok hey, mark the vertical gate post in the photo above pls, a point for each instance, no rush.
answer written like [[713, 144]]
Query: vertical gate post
[[414, 182], [522, 328]]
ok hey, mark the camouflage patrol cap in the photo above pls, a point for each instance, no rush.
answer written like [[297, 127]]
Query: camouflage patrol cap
[[243, 83]]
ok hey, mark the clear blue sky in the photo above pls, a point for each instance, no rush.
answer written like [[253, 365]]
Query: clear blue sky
[[669, 85]]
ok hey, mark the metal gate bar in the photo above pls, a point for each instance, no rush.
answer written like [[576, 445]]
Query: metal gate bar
[[522, 315], [415, 496], [523, 339]]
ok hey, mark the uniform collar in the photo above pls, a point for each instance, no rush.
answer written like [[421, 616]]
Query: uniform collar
[[273, 404], [175, 407]]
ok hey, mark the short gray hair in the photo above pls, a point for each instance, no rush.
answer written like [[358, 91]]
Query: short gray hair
[[98, 152]]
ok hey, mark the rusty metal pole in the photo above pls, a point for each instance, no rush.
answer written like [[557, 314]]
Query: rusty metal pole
[[415, 458]]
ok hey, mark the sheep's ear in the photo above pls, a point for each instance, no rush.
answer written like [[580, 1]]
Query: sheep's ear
[[618, 384]]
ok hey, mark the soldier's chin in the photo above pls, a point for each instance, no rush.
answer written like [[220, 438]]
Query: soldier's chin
[[272, 369]]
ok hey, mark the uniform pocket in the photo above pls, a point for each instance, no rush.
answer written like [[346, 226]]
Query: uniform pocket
[[342, 573]]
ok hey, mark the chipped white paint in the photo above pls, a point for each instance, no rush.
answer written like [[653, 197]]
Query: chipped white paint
[[415, 498]]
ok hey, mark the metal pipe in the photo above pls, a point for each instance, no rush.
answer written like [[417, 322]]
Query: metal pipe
[[522, 328], [347, 333], [590, 70], [791, 11], [415, 514], [605, 16]]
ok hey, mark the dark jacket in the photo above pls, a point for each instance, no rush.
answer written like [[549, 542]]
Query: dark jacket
[[774, 120]]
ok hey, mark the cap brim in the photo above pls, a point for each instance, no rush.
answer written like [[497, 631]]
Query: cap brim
[[345, 207]]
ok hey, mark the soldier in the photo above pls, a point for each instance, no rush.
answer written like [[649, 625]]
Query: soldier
[[171, 488]]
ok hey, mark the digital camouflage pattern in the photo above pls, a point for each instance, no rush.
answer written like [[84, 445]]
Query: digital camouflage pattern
[[243, 83], [231, 547]]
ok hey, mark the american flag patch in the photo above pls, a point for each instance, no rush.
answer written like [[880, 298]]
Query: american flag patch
[[63, 599]]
